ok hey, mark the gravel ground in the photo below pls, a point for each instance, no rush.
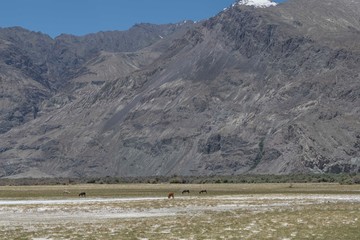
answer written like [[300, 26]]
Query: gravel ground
[[20, 212]]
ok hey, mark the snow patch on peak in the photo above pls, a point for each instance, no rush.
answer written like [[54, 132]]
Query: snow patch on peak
[[256, 3]]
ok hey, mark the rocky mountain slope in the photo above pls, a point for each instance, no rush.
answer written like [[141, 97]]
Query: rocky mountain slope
[[251, 90], [35, 67]]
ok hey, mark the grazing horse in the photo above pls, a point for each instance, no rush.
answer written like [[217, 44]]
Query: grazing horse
[[171, 195], [186, 191], [82, 194], [203, 191]]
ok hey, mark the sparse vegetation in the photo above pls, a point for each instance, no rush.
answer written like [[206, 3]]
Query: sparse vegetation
[[228, 211], [246, 178]]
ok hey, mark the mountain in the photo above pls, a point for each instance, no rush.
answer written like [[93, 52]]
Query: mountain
[[34, 67], [251, 90]]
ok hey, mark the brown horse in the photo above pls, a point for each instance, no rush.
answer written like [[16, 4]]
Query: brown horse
[[82, 194], [203, 191], [171, 195]]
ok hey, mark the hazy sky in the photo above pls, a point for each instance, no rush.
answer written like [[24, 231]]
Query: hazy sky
[[80, 17]]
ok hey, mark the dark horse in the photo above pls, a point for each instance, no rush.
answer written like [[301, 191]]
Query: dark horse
[[82, 194], [185, 191], [203, 191], [171, 195]]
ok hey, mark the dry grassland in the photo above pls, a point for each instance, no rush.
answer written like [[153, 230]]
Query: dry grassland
[[142, 211]]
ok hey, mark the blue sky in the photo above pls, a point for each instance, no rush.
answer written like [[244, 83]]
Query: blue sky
[[80, 17]]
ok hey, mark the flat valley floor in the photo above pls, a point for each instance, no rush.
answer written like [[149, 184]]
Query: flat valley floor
[[143, 211]]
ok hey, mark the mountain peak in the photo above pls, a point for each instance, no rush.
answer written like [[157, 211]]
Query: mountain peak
[[256, 3]]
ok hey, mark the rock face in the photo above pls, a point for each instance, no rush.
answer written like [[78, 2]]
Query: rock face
[[251, 90]]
